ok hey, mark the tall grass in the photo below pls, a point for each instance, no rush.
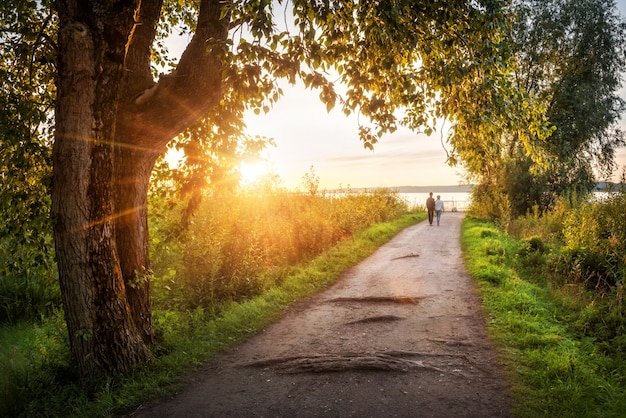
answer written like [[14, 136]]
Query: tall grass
[[198, 311], [238, 245]]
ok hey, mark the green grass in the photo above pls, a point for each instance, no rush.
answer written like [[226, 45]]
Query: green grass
[[555, 371], [37, 381], [32, 358]]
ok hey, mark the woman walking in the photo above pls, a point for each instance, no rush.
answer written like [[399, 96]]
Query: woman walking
[[439, 208]]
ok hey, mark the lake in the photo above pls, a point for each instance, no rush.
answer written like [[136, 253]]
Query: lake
[[459, 200], [451, 200]]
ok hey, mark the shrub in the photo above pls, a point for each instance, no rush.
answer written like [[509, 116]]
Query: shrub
[[546, 225], [582, 266], [29, 286], [490, 203], [595, 243], [532, 245]]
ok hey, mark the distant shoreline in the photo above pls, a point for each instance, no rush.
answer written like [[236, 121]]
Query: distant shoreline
[[462, 188], [466, 188]]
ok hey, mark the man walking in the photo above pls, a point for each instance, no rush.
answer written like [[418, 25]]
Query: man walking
[[430, 206]]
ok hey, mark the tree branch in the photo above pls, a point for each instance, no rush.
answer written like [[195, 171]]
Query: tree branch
[[196, 75], [138, 49], [152, 114]]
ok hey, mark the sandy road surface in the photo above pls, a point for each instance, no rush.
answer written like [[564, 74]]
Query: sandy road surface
[[400, 335]]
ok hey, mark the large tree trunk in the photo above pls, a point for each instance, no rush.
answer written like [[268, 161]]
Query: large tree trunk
[[91, 281], [112, 123], [133, 170]]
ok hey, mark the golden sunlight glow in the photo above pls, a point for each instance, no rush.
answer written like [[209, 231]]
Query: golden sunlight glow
[[174, 157], [252, 172]]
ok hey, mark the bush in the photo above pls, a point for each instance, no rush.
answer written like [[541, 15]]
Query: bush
[[545, 225], [536, 244], [595, 243], [29, 288], [490, 203], [530, 247], [592, 262]]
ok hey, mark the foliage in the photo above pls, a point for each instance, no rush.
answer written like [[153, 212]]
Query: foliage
[[489, 202], [595, 243], [585, 261], [37, 379], [254, 236], [546, 225], [554, 354], [570, 57], [28, 281], [34, 359], [574, 59], [379, 60]]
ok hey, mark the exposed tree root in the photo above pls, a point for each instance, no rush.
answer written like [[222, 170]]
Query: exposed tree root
[[450, 316], [380, 299], [381, 318], [342, 362], [394, 360], [403, 353], [463, 356]]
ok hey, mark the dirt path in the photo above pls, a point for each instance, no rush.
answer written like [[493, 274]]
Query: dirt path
[[400, 335]]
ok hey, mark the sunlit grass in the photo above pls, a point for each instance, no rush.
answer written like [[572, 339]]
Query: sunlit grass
[[553, 370], [238, 245]]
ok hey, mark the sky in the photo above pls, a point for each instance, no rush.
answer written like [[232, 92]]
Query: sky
[[307, 136]]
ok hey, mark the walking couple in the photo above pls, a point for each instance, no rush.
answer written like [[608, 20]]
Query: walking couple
[[433, 206]]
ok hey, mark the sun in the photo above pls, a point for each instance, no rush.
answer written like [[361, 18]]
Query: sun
[[252, 172]]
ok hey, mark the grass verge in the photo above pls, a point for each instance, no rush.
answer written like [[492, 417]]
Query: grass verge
[[37, 379], [554, 370]]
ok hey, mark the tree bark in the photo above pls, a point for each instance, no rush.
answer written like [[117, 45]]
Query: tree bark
[[101, 332], [132, 177], [112, 123], [70, 206]]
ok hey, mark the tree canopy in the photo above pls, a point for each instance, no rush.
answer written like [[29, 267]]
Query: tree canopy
[[570, 56], [27, 53], [392, 62]]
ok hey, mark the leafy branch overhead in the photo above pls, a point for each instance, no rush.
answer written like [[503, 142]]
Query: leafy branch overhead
[[393, 62]]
